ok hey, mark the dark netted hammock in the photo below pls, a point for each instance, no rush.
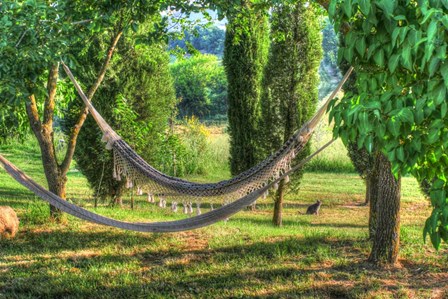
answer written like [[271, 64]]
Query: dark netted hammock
[[147, 179]]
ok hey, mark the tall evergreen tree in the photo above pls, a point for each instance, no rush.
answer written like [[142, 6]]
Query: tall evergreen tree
[[245, 55], [290, 86]]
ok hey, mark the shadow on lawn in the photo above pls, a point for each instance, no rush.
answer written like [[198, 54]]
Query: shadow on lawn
[[288, 268], [305, 222]]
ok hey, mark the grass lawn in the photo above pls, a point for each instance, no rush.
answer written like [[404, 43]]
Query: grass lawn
[[309, 257]]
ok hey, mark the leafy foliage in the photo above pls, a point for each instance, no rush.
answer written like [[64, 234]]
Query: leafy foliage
[[399, 51], [201, 86]]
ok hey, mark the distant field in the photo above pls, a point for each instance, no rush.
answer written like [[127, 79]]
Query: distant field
[[309, 257]]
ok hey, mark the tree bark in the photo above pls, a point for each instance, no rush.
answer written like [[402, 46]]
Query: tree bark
[[386, 240], [277, 219], [368, 187], [372, 182]]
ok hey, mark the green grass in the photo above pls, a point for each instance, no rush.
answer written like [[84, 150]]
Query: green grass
[[309, 257]]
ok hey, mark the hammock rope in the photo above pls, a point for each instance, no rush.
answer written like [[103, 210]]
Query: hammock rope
[[199, 221], [147, 179]]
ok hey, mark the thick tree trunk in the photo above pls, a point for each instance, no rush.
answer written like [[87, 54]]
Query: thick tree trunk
[[277, 219], [386, 240]]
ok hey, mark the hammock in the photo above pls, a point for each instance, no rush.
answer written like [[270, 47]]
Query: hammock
[[139, 174], [170, 226]]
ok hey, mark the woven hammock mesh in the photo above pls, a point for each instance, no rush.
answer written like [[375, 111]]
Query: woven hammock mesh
[[146, 179], [139, 174]]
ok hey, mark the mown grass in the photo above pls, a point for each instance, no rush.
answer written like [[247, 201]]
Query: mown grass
[[309, 257]]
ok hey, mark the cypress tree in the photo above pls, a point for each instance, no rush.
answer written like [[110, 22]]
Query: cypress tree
[[245, 55], [290, 83]]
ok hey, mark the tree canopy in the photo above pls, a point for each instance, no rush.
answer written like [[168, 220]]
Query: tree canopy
[[398, 49]]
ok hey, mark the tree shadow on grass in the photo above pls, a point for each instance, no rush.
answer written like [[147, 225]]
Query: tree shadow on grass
[[309, 267], [301, 222], [54, 241]]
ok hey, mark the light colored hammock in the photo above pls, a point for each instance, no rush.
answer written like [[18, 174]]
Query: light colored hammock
[[147, 179], [166, 185], [171, 226]]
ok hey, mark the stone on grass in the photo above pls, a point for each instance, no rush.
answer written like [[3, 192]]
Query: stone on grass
[[9, 223]]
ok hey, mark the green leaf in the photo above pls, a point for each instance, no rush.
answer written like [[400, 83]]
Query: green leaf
[[369, 144], [380, 130], [433, 135], [433, 66], [387, 6], [393, 125], [361, 46], [379, 57], [445, 21], [443, 109], [439, 94], [395, 34], [347, 8], [435, 240], [400, 154], [432, 30], [406, 57], [134, 26], [365, 6], [444, 72], [443, 233], [417, 144], [393, 62], [348, 54], [407, 115], [332, 8]]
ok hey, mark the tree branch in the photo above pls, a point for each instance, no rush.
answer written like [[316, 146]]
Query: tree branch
[[105, 66], [33, 115], [83, 115], [49, 101]]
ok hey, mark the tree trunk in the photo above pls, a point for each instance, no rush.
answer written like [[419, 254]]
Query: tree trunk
[[277, 220], [373, 199], [386, 239]]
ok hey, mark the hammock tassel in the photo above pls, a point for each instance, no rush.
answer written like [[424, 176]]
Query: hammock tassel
[[265, 194], [139, 191], [286, 179], [109, 145], [174, 207], [150, 198], [198, 209], [185, 208], [129, 184]]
